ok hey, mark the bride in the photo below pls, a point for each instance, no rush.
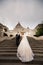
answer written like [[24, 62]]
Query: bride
[[24, 51]]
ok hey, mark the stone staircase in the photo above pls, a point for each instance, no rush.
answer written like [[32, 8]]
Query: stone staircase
[[8, 51]]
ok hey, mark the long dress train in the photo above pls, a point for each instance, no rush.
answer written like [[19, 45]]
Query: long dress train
[[24, 51]]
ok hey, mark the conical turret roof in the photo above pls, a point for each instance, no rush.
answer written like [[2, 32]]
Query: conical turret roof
[[18, 25]]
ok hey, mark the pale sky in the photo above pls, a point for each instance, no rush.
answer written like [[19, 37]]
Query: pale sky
[[28, 12]]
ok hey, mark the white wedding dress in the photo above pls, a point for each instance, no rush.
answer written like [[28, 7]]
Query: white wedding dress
[[24, 51]]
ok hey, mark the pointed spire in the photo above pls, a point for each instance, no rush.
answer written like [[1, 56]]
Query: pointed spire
[[18, 25]]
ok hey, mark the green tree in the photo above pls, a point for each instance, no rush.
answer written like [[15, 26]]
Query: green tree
[[39, 32]]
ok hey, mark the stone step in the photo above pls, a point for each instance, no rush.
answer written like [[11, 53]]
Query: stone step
[[10, 48], [38, 51], [16, 60], [7, 49], [14, 50], [37, 54], [37, 46], [17, 47], [12, 58], [20, 63], [14, 54], [5, 45], [6, 54]]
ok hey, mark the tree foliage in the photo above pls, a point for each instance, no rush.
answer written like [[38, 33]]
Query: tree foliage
[[39, 32]]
